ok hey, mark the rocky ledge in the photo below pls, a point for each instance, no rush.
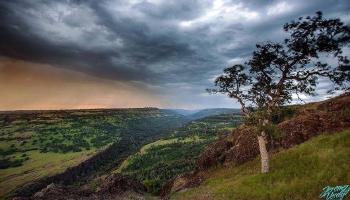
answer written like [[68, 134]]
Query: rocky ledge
[[113, 187]]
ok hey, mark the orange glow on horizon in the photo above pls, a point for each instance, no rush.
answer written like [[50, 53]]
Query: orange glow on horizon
[[32, 86]]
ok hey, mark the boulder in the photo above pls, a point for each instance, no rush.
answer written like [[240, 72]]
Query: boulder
[[213, 154], [245, 146], [116, 183], [183, 181]]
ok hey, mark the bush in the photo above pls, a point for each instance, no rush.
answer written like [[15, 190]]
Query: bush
[[7, 163]]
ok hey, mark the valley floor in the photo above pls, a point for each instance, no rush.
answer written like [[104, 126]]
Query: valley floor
[[298, 173], [39, 165]]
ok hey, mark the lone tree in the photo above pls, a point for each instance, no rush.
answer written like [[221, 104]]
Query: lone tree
[[276, 71]]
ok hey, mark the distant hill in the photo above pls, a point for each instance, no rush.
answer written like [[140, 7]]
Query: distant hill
[[212, 111], [202, 113], [184, 112]]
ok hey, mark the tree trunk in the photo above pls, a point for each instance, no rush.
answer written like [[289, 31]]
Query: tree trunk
[[264, 154]]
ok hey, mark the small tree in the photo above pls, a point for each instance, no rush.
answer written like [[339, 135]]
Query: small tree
[[276, 71]]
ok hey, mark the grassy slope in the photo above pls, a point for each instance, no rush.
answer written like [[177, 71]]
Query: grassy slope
[[297, 173], [162, 160], [149, 147]]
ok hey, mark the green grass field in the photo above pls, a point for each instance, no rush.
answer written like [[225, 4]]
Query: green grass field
[[298, 173], [39, 165]]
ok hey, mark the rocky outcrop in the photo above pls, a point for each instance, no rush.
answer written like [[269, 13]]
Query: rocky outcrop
[[187, 180], [328, 116], [299, 129], [311, 120], [335, 104], [114, 187], [239, 148], [245, 145], [117, 183], [213, 154]]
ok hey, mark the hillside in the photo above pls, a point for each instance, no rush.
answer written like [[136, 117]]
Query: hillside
[[38, 144], [300, 172], [293, 126]]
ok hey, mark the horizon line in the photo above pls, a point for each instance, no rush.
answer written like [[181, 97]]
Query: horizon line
[[112, 108]]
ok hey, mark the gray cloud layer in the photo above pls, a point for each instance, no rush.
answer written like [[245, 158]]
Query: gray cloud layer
[[174, 46]]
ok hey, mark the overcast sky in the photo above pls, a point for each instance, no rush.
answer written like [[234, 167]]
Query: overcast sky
[[113, 53]]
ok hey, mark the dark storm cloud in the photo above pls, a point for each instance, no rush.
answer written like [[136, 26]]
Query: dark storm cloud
[[175, 46]]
